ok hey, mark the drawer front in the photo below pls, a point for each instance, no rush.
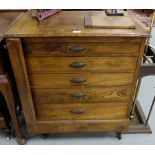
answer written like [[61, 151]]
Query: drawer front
[[78, 95], [72, 64], [80, 49], [47, 112], [82, 79], [66, 126]]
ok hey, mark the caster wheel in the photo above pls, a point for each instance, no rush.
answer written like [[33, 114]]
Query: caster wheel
[[8, 135], [8, 138], [44, 135], [132, 116], [119, 136]]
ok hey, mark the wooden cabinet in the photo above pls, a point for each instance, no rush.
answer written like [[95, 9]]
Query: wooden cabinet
[[75, 82]]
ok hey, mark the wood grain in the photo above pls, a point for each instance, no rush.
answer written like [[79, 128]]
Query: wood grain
[[47, 112], [64, 80], [80, 126], [90, 49], [90, 95], [109, 22], [6, 18], [20, 73], [40, 59], [79, 39], [64, 23], [64, 64]]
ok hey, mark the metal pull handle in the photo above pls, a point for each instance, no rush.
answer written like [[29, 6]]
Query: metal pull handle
[[78, 80], [78, 111], [78, 95], [77, 48], [77, 64]]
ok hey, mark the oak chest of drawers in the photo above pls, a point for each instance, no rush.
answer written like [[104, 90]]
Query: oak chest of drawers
[[74, 82]]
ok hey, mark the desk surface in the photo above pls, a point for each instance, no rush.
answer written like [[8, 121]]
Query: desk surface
[[67, 23], [6, 18]]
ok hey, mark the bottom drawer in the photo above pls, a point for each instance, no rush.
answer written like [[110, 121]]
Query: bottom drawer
[[94, 111], [67, 126]]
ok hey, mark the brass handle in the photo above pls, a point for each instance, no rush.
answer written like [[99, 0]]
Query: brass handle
[[77, 48], [78, 111], [78, 80], [78, 95], [77, 64]]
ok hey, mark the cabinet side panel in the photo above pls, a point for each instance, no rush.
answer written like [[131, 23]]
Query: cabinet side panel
[[18, 65], [137, 74]]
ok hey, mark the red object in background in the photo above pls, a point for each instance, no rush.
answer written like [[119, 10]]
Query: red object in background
[[144, 15], [43, 13], [144, 12]]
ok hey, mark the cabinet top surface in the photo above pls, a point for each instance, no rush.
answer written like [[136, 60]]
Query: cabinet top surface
[[67, 23], [6, 18]]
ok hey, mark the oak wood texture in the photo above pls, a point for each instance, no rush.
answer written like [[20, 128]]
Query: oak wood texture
[[6, 18], [80, 64], [81, 95], [90, 49], [109, 22], [20, 73], [47, 112], [89, 80], [64, 24], [59, 98], [79, 39], [80, 126]]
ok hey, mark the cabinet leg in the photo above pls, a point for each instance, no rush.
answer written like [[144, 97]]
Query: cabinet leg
[[119, 135], [6, 90]]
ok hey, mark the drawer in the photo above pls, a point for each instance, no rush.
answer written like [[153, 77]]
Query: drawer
[[47, 112], [78, 64], [80, 95], [67, 126], [82, 79], [80, 48]]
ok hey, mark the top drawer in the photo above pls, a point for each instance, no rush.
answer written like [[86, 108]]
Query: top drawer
[[80, 48]]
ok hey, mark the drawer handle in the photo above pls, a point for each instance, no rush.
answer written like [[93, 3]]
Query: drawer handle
[[78, 111], [77, 48], [77, 64], [78, 80], [78, 95]]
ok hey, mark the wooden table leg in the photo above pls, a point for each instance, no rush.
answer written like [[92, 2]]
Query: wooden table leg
[[6, 90]]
